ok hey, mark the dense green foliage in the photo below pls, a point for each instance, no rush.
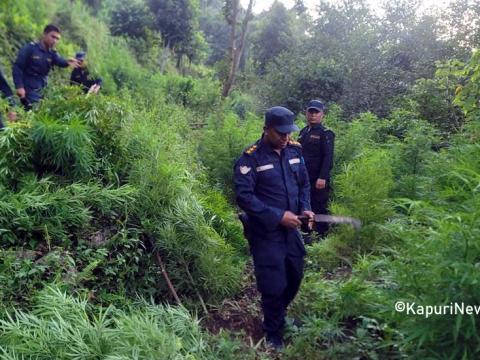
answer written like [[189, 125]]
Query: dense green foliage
[[63, 327], [419, 245], [96, 181], [413, 181], [356, 57], [92, 188], [67, 206]]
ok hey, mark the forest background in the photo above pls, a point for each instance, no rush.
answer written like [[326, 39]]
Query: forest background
[[92, 188]]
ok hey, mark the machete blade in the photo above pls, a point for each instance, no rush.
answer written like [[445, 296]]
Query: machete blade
[[335, 219]]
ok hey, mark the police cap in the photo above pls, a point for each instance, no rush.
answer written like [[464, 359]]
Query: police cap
[[281, 119], [315, 105], [80, 55]]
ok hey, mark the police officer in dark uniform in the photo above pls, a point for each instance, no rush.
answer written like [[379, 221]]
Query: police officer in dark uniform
[[271, 186], [8, 94], [317, 145], [81, 76], [34, 62]]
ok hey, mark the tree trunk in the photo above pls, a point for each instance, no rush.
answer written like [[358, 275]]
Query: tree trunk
[[232, 21], [236, 51], [164, 57], [243, 35], [179, 61]]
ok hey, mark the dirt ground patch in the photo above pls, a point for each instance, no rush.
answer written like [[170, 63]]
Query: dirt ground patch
[[241, 314]]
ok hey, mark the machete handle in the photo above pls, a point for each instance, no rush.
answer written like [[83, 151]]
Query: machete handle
[[303, 218]]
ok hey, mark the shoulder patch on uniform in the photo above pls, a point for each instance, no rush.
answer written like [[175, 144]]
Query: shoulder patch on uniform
[[250, 150], [244, 170], [294, 143]]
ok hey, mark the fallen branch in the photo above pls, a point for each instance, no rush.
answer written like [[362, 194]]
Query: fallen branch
[[161, 264], [196, 291]]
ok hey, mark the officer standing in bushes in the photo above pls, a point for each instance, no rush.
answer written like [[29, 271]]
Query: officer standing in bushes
[[317, 147], [8, 94], [81, 76], [272, 187], [34, 62]]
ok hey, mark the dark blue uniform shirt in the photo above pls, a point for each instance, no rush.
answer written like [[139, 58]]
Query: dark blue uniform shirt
[[30, 70], [5, 90], [6, 93], [317, 148], [266, 185]]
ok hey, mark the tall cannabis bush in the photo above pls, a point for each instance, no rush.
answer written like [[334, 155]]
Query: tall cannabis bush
[[439, 262], [222, 142], [64, 327], [173, 216]]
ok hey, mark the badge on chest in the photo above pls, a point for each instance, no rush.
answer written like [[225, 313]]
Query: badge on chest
[[264, 167]]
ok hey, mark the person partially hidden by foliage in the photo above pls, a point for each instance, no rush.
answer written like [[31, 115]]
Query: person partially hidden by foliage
[[34, 62], [317, 148], [80, 76], [271, 186], [8, 94]]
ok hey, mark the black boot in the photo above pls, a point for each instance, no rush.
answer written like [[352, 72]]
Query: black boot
[[275, 341]]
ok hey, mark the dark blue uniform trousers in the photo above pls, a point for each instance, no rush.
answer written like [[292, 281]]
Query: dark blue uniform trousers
[[279, 272], [319, 203], [275, 300]]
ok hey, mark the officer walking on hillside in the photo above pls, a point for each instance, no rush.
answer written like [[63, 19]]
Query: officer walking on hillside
[[8, 94], [272, 187], [317, 146], [34, 62]]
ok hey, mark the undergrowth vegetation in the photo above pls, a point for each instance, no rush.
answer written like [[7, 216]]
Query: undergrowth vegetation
[[418, 244], [96, 176], [416, 193], [60, 326], [94, 190]]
